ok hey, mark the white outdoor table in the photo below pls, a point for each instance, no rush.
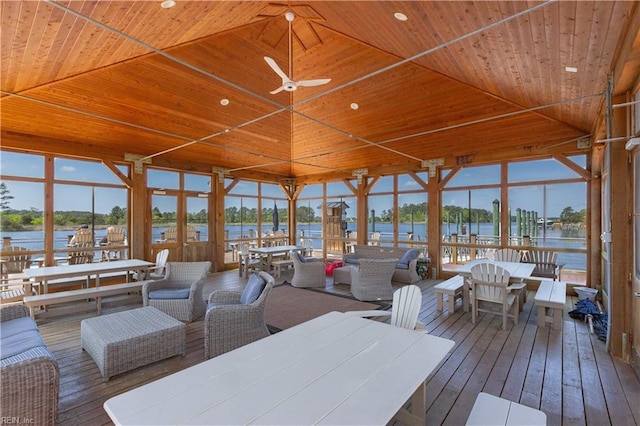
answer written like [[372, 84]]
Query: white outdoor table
[[44, 275], [334, 369], [517, 270], [269, 252]]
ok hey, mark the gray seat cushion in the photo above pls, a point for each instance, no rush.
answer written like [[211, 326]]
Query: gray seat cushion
[[169, 293], [253, 290], [17, 326], [21, 342]]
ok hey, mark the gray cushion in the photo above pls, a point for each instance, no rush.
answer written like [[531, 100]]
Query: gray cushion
[[402, 266], [17, 326], [253, 290], [13, 345], [352, 260], [407, 257], [170, 293]]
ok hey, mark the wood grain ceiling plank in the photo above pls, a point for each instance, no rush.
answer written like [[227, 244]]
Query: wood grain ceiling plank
[[34, 66], [13, 45], [111, 48]]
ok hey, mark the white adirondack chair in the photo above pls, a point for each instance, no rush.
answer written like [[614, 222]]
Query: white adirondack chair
[[407, 302], [491, 293]]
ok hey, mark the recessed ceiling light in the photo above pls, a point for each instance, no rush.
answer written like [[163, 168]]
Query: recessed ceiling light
[[224, 102], [571, 69], [400, 16], [355, 106], [168, 4]]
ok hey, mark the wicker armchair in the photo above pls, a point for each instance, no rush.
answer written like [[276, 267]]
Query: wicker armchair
[[310, 273], [179, 294], [371, 279], [29, 380], [230, 324]]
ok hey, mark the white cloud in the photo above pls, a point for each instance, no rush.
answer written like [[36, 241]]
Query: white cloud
[[68, 169]]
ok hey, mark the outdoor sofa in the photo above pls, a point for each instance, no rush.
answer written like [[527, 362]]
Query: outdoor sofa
[[29, 374], [406, 267]]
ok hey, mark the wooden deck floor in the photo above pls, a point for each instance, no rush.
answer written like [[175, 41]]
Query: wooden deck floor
[[567, 375]]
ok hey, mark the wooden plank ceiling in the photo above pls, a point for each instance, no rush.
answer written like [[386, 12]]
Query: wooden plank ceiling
[[475, 79]]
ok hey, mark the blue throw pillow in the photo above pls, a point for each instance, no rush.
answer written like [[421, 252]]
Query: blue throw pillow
[[300, 257], [253, 290], [408, 256]]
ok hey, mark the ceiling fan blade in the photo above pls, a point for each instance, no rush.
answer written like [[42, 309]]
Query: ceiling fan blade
[[316, 82], [277, 69], [278, 90]]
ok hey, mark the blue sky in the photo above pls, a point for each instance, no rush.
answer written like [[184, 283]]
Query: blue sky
[[77, 197]]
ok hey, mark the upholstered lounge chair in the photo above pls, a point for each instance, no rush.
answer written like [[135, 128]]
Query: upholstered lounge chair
[[179, 294], [307, 272], [236, 318], [371, 279]]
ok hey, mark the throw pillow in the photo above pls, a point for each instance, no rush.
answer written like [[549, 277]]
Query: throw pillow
[[408, 256], [253, 290], [300, 257]]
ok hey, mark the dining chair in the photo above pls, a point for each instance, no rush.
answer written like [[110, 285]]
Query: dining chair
[[507, 255], [491, 293], [405, 308], [247, 262]]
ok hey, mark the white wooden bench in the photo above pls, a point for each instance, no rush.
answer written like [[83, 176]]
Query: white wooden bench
[[550, 300], [453, 289], [280, 265], [492, 410], [86, 293]]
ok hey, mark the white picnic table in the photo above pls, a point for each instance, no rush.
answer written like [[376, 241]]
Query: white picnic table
[[334, 369], [518, 271], [86, 270]]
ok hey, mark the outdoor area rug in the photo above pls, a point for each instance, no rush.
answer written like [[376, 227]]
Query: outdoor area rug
[[288, 306]]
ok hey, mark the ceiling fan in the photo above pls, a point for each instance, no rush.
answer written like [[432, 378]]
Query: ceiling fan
[[289, 84]]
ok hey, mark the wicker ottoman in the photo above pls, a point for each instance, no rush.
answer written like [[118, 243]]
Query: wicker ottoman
[[126, 340], [342, 275]]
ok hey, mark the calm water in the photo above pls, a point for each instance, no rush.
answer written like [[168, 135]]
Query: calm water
[[34, 240]]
